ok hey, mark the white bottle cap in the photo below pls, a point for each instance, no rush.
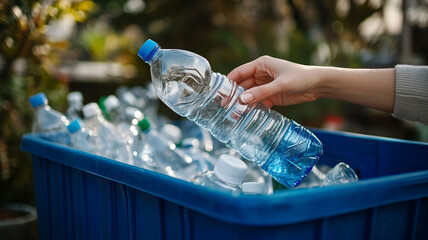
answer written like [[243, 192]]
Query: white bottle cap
[[253, 187], [91, 109], [230, 169], [74, 97], [111, 102], [172, 133]]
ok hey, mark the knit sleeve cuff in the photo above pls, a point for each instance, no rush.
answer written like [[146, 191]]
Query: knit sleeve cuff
[[411, 93]]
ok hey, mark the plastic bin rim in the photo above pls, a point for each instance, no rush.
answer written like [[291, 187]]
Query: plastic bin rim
[[280, 208]]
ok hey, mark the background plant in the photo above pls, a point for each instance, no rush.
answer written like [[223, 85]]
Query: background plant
[[31, 46]]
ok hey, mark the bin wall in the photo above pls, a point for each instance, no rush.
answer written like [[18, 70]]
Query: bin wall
[[73, 204], [82, 196]]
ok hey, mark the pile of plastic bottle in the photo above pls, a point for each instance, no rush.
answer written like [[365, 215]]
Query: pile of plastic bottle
[[126, 127]]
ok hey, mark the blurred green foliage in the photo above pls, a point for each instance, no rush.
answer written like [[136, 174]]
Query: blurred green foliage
[[27, 57]]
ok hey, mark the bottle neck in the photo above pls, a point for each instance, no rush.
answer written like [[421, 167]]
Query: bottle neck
[[154, 55], [219, 180], [42, 106]]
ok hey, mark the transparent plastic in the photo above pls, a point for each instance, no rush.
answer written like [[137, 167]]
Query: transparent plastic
[[109, 142], [341, 173], [159, 154], [75, 104], [82, 138], [50, 124], [211, 180], [184, 82]]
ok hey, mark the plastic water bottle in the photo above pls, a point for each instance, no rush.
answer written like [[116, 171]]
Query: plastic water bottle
[[191, 130], [202, 159], [81, 138], [111, 105], [227, 175], [160, 154], [75, 104], [129, 130], [51, 125], [253, 188], [254, 173], [314, 178], [172, 133], [146, 98], [184, 81], [340, 174], [129, 100], [109, 142]]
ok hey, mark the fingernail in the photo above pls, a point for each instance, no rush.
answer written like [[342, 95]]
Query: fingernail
[[246, 97]]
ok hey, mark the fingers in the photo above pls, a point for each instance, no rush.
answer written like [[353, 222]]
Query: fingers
[[257, 94], [243, 72]]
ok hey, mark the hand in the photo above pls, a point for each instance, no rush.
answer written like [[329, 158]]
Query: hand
[[275, 82]]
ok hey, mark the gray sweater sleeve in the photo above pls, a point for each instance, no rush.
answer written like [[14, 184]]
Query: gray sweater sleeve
[[411, 93]]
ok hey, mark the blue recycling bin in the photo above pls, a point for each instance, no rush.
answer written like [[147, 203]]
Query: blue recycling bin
[[84, 196]]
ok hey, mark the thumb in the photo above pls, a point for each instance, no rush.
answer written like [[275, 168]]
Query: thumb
[[259, 93]]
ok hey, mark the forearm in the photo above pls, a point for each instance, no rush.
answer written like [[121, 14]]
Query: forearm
[[373, 88]]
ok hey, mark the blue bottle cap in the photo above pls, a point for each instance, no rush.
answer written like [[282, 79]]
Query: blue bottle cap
[[148, 50], [38, 99], [75, 125]]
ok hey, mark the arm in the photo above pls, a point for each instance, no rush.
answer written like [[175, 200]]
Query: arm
[[373, 88], [280, 82]]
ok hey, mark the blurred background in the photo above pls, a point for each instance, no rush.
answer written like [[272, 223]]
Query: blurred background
[[58, 46]]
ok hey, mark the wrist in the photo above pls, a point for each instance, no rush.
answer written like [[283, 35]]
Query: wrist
[[322, 78]]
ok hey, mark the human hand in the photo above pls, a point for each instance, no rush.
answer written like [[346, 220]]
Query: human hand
[[275, 82]]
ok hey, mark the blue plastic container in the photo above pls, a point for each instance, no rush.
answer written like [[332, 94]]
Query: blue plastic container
[[83, 196]]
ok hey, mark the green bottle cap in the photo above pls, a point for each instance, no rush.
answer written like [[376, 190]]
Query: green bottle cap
[[101, 103], [144, 124]]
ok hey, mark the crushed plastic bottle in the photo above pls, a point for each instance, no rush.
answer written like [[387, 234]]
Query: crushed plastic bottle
[[185, 83], [341, 173], [49, 124], [227, 175]]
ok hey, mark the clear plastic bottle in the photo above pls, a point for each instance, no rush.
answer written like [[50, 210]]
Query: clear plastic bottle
[[254, 173], [112, 105], [161, 154], [148, 102], [340, 174], [184, 81], [129, 130], [202, 159], [75, 104], [172, 133], [81, 138], [227, 175], [253, 188], [48, 123], [192, 130], [109, 142]]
